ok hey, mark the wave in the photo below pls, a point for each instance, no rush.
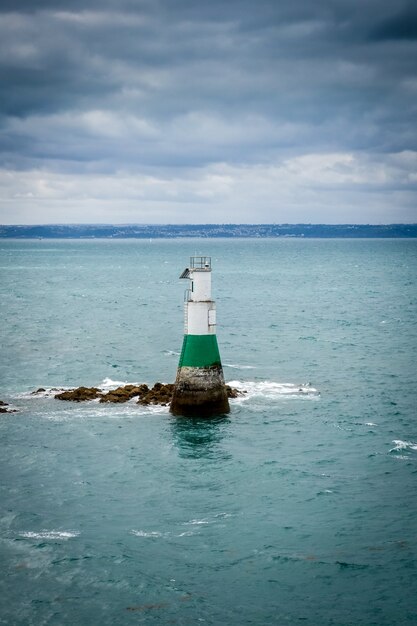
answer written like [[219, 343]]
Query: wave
[[207, 520], [109, 383], [156, 534], [236, 366], [153, 534], [94, 409], [403, 445], [50, 534], [272, 390], [196, 522], [48, 392]]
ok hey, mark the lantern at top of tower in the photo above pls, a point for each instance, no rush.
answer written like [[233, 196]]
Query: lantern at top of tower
[[199, 272]]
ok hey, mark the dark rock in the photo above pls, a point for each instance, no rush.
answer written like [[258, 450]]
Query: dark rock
[[121, 394], [159, 394], [4, 410], [233, 392], [132, 389], [3, 403], [40, 390], [81, 394], [115, 399], [143, 401]]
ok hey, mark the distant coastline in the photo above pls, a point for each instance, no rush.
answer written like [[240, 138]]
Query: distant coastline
[[171, 231]]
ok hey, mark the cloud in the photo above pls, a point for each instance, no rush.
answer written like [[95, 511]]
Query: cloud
[[174, 94], [400, 26], [334, 184]]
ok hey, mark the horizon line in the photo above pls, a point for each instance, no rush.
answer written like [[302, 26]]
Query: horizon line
[[179, 224]]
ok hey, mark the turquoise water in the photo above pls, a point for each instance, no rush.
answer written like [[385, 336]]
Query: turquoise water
[[298, 507]]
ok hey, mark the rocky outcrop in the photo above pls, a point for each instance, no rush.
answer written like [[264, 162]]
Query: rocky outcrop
[[80, 394], [160, 394], [121, 394]]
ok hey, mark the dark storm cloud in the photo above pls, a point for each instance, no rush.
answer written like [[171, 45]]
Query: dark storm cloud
[[167, 85], [400, 26]]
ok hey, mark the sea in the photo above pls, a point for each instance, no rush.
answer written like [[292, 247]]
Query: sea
[[298, 507]]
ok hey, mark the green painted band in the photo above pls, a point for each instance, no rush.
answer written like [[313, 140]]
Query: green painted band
[[199, 351]]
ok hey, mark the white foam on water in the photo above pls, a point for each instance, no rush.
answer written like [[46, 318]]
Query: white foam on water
[[403, 445], [93, 408], [153, 534], [50, 534], [207, 520], [236, 366], [272, 390], [146, 409], [48, 393], [156, 534], [108, 383], [370, 424]]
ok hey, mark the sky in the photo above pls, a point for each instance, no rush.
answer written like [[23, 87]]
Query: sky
[[220, 111]]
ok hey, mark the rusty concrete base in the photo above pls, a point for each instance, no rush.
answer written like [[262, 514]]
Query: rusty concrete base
[[200, 392]]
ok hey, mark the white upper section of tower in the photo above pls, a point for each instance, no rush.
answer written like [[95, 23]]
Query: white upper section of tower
[[200, 309], [200, 285]]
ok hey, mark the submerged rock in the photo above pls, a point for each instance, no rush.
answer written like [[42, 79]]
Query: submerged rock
[[3, 408]]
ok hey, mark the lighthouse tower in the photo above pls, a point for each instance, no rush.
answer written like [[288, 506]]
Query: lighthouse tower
[[199, 388]]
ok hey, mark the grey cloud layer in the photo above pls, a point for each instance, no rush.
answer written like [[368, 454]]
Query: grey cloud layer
[[173, 89]]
